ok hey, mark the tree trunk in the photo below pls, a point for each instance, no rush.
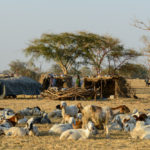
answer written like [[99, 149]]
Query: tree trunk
[[65, 71], [63, 68]]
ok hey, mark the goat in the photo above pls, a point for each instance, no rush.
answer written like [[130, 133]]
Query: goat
[[55, 114], [141, 131], [141, 117], [6, 113], [5, 124], [11, 120], [65, 116], [78, 134], [15, 131], [128, 122], [71, 110], [31, 111], [22, 121], [33, 130], [101, 116], [58, 107], [59, 128], [14, 119], [77, 124], [29, 129], [80, 107], [42, 119]]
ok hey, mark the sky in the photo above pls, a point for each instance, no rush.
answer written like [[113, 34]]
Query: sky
[[24, 20]]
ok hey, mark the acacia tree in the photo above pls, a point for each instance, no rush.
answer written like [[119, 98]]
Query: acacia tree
[[85, 71], [24, 69], [55, 69], [97, 49], [119, 57], [69, 50], [129, 70], [134, 71], [17, 66], [62, 48]]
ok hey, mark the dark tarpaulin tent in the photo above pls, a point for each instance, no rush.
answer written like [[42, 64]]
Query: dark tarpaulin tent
[[19, 85]]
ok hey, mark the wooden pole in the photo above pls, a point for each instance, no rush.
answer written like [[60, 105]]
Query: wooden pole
[[101, 89], [95, 91], [116, 88]]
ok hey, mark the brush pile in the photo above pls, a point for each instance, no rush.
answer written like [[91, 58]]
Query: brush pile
[[67, 93]]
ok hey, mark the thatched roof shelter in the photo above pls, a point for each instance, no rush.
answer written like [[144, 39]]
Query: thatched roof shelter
[[64, 81], [61, 81], [106, 86]]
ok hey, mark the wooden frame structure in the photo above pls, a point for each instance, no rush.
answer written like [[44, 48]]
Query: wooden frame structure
[[103, 86]]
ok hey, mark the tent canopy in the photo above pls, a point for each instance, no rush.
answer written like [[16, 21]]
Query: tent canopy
[[19, 85]]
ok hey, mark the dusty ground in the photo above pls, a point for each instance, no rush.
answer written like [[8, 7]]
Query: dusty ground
[[119, 140]]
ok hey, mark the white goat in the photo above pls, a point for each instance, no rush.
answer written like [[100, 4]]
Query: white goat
[[6, 113], [78, 134], [15, 131], [71, 110], [128, 121], [33, 130], [141, 131], [60, 128], [30, 129]]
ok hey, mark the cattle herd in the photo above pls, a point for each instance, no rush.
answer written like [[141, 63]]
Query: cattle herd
[[78, 121]]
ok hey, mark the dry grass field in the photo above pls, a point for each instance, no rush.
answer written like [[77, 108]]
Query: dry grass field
[[119, 140]]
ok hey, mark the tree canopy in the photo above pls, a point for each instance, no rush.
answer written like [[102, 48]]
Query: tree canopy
[[70, 50], [100, 49], [134, 71], [62, 48], [24, 69]]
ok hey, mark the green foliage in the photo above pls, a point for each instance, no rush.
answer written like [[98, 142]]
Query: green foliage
[[62, 48], [55, 69], [129, 70], [85, 71], [70, 50], [74, 71], [134, 71], [97, 49], [21, 68], [120, 56]]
